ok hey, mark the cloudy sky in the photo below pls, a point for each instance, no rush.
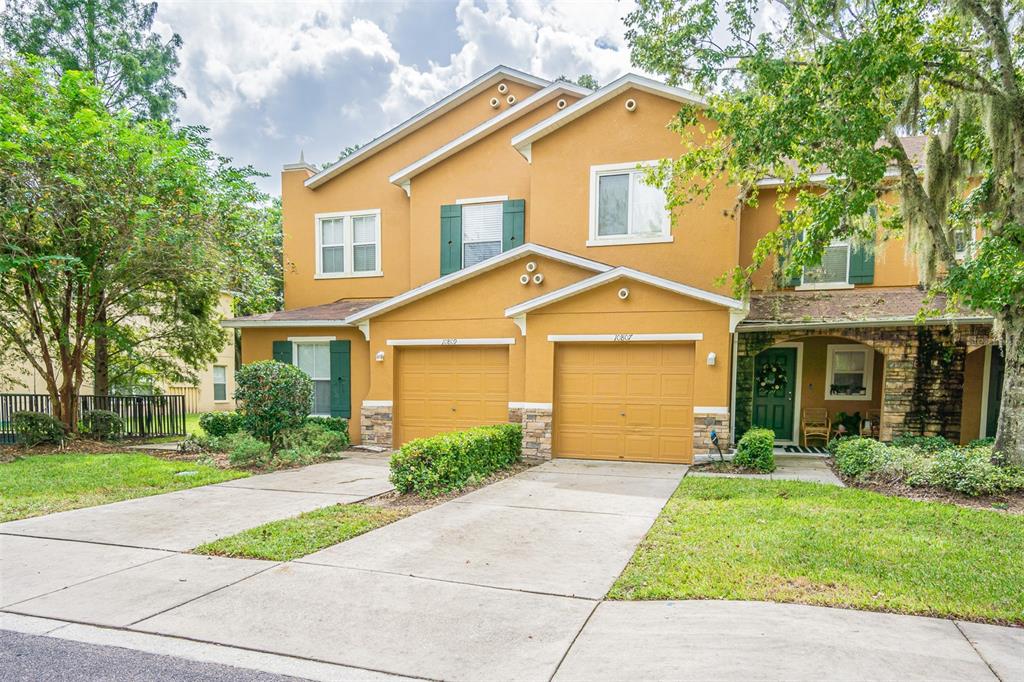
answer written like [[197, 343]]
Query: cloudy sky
[[270, 78]]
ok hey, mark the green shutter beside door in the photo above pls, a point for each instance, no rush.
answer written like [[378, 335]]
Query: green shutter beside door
[[341, 379], [451, 239], [513, 224], [283, 351], [862, 264]]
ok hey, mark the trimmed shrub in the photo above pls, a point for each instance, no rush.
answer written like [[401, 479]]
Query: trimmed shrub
[[982, 442], [272, 397], [756, 450], [856, 456], [337, 424], [315, 438], [219, 424], [970, 471], [33, 428], [244, 449], [928, 445], [102, 424], [450, 461]]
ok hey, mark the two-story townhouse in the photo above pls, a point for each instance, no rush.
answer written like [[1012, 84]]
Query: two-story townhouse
[[499, 257]]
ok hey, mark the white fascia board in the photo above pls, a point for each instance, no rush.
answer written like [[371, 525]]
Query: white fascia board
[[816, 178], [425, 116], [402, 177], [242, 324], [620, 273], [472, 271], [877, 322], [525, 139]]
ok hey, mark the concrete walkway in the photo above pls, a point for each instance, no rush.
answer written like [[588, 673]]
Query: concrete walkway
[[788, 467], [504, 583]]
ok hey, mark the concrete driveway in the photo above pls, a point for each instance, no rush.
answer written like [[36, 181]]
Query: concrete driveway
[[504, 583]]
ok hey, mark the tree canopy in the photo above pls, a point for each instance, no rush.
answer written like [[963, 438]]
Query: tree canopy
[[833, 86]]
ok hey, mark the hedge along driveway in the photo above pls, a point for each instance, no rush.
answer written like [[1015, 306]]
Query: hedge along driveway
[[814, 544], [44, 484]]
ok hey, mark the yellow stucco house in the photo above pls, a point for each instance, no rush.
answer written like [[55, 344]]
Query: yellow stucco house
[[498, 257]]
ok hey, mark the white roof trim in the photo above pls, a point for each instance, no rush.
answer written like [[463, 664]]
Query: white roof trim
[[619, 273], [424, 117], [816, 178], [472, 271], [458, 144], [757, 326], [525, 139]]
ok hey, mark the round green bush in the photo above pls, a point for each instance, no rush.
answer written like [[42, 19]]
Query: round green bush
[[220, 424], [858, 456], [756, 450], [245, 450], [272, 397], [336, 424], [33, 428], [102, 424]]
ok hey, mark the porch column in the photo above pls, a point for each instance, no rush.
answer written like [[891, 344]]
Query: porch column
[[900, 351]]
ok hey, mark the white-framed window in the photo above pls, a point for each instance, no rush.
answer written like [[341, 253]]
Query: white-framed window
[[220, 383], [849, 371], [313, 356], [963, 242], [624, 209], [348, 244], [833, 271], [481, 231]]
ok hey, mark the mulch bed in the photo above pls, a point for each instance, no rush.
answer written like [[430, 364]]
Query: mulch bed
[[1012, 503]]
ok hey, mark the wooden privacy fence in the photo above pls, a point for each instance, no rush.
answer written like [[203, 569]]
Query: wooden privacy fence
[[145, 416]]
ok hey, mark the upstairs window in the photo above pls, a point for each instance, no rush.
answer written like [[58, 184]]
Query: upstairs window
[[624, 208], [481, 232], [348, 244], [834, 267]]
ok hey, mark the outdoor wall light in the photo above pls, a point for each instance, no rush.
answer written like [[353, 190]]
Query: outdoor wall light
[[712, 358], [380, 356]]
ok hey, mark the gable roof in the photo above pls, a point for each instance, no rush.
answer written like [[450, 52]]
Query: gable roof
[[324, 315], [403, 177], [424, 117], [524, 140], [622, 273], [472, 271]]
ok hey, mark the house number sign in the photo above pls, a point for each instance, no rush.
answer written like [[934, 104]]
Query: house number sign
[[449, 342], [623, 337]]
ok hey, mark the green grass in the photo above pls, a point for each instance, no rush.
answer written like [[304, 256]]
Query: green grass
[[788, 541], [191, 427], [43, 484], [296, 537]]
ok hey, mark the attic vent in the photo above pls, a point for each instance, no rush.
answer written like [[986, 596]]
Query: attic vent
[[495, 102], [630, 105], [511, 99], [561, 104], [502, 88]]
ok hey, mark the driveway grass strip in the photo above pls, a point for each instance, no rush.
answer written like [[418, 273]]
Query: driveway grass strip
[[44, 484], [807, 543], [296, 537]]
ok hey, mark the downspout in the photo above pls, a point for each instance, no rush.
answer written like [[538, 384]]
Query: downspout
[[734, 339]]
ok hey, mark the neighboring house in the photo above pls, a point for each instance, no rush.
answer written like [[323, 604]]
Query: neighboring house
[[498, 257], [212, 391]]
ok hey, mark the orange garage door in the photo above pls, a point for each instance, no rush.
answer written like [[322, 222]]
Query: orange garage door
[[624, 401], [447, 388]]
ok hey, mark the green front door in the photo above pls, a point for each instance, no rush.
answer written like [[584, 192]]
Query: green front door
[[774, 390], [995, 392]]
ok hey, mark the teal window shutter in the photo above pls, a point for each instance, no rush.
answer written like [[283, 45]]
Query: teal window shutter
[[283, 351], [513, 224], [862, 264], [451, 238], [341, 379]]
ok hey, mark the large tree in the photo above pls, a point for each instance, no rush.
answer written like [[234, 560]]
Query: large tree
[[111, 39], [108, 222], [834, 85]]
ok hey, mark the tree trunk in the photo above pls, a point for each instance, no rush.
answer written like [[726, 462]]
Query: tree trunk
[[101, 356], [1010, 429]]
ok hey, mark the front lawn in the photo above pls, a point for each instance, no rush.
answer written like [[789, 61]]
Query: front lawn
[[296, 537], [789, 541], [44, 484]]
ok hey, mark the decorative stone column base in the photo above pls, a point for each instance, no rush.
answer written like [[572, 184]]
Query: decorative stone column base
[[703, 424], [537, 432], [376, 425], [515, 415]]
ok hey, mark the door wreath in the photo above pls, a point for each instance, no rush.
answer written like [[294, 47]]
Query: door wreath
[[771, 378]]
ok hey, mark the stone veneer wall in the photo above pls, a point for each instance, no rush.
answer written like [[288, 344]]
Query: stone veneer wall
[[537, 432], [922, 385], [703, 424], [515, 415], [376, 427]]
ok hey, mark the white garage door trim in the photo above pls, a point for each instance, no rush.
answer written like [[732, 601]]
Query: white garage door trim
[[622, 338], [452, 342]]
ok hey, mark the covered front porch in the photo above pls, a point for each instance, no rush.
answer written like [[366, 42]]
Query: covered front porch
[[808, 371]]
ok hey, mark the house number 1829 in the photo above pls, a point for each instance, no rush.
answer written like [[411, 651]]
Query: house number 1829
[[623, 337], [449, 342]]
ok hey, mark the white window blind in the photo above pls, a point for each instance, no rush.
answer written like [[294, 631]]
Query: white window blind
[[481, 232], [315, 360]]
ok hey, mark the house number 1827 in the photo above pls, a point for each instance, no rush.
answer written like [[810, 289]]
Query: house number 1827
[[449, 342], [623, 337]]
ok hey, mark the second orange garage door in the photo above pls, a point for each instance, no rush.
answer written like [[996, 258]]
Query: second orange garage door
[[629, 401], [442, 389]]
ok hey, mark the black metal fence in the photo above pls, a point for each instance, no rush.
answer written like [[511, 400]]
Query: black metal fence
[[145, 416]]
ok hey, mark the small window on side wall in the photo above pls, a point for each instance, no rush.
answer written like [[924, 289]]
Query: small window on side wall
[[348, 244], [849, 372], [220, 383], [625, 209]]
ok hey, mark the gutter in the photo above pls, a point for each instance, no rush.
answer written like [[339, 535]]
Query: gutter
[[886, 322], [243, 324]]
